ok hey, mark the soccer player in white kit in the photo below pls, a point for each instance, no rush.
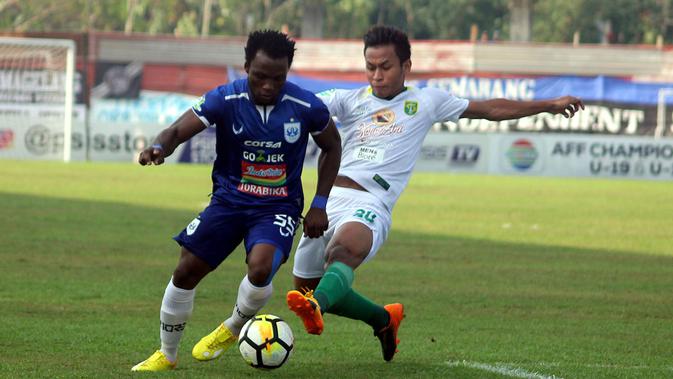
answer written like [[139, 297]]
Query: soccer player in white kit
[[382, 128]]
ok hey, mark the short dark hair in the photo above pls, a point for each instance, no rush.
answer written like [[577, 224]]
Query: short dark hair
[[388, 35], [274, 43]]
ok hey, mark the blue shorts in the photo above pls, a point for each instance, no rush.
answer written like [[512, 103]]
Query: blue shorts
[[220, 228]]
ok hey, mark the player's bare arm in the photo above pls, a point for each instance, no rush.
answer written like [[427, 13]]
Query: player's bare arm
[[503, 109], [329, 141], [184, 128]]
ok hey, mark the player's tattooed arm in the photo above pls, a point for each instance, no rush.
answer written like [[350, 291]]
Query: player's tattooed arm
[[184, 128]]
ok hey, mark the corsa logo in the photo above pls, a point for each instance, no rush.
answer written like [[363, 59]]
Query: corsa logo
[[266, 144]]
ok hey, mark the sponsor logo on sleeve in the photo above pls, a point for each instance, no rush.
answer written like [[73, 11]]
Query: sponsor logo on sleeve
[[199, 103]]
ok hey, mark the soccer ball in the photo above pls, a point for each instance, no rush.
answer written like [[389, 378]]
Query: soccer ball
[[266, 341]]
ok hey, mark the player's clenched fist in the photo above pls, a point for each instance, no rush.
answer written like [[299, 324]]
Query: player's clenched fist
[[152, 155]]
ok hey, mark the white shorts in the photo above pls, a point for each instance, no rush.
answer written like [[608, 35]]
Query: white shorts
[[344, 205]]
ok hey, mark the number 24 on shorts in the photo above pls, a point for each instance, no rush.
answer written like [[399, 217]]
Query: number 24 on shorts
[[368, 216]]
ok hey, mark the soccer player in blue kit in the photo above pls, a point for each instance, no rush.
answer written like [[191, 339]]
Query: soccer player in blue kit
[[262, 125]]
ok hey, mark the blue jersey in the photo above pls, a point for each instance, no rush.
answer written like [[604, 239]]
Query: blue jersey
[[260, 149]]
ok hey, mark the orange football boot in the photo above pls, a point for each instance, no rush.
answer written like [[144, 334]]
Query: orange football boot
[[388, 335], [306, 307]]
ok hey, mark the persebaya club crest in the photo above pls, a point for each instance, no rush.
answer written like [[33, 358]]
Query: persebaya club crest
[[198, 104], [410, 107]]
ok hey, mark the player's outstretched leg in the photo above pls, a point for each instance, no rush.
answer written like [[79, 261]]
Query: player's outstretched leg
[[156, 362], [306, 307], [388, 335]]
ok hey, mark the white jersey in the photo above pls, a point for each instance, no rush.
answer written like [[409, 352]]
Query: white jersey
[[383, 138]]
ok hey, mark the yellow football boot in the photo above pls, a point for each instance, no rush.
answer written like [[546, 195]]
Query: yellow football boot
[[214, 344], [156, 362]]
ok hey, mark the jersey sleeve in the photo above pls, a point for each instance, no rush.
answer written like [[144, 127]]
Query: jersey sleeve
[[318, 115], [209, 107], [446, 106], [331, 98]]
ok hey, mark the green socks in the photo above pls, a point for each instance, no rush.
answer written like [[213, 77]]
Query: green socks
[[335, 295], [357, 307], [334, 285]]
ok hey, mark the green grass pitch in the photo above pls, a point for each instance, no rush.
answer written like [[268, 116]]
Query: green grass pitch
[[501, 277]]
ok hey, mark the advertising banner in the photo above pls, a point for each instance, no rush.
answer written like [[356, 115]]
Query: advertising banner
[[117, 80], [564, 155], [119, 129], [30, 86], [584, 156], [36, 132]]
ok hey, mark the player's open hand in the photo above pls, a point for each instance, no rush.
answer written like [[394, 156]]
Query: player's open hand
[[151, 155], [566, 105], [315, 223]]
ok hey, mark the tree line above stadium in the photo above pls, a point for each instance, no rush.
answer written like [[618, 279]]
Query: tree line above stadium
[[592, 21]]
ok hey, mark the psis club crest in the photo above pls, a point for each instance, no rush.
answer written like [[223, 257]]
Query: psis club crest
[[292, 131]]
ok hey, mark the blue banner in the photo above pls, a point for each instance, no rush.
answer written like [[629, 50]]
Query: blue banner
[[593, 89]]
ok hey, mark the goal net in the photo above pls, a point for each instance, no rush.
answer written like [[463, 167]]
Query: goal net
[[36, 98]]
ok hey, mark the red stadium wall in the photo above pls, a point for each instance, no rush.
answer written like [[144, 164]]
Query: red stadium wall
[[189, 79]]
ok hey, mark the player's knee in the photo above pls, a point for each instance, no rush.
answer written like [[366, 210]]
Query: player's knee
[[190, 270], [339, 253], [259, 276], [185, 278]]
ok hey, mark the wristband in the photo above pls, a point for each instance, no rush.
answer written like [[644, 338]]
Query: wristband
[[157, 146], [319, 202]]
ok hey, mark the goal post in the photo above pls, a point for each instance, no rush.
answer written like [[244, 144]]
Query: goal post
[[36, 97]]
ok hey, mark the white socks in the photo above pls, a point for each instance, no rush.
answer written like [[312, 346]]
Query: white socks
[[249, 301], [177, 305], [176, 308]]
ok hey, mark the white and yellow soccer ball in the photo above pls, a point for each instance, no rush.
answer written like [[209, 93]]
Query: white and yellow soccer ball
[[266, 341]]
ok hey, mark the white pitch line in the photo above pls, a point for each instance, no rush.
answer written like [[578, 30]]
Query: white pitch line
[[502, 370]]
